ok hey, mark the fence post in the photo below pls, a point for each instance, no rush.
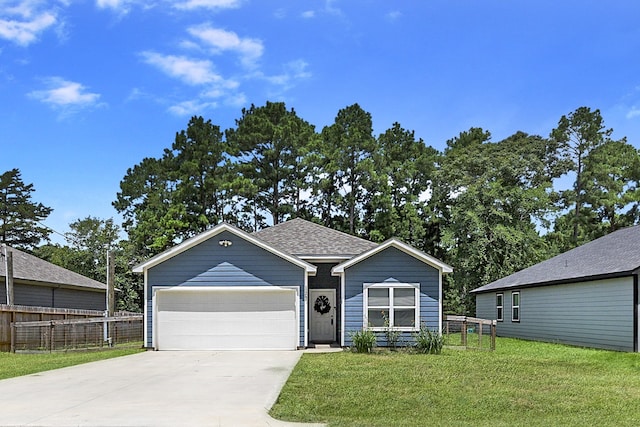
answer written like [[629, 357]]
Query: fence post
[[493, 334], [464, 331], [480, 335], [14, 330], [51, 345]]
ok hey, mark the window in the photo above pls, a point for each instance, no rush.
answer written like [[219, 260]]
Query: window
[[499, 306], [515, 306], [400, 303]]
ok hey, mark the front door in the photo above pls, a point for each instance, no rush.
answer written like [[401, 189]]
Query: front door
[[323, 315]]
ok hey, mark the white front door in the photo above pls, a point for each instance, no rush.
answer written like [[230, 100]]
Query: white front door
[[323, 315]]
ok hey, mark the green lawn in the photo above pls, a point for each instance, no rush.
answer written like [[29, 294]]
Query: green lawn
[[15, 365], [521, 383]]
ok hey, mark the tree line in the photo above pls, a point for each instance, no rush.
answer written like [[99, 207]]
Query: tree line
[[486, 208]]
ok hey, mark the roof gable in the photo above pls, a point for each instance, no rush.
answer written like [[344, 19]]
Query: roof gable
[[615, 254], [30, 268], [395, 243], [209, 234], [307, 239]]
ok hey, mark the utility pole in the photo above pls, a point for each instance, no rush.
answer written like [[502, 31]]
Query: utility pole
[[111, 275], [8, 270]]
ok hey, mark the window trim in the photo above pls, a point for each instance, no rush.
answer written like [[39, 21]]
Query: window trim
[[500, 307], [514, 307], [390, 308]]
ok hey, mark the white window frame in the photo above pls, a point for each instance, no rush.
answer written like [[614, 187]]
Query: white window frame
[[515, 307], [390, 308], [500, 307]]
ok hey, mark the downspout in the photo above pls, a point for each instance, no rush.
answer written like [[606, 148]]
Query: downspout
[[636, 330]]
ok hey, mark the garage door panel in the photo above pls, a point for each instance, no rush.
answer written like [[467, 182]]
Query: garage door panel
[[215, 318]]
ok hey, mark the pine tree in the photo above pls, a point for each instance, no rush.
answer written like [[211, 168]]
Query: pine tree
[[20, 217]]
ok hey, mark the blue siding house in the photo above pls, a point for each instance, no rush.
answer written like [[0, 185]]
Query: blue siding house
[[37, 282], [289, 286], [587, 296]]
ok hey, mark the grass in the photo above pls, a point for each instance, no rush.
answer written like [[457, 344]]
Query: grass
[[15, 365], [521, 383]]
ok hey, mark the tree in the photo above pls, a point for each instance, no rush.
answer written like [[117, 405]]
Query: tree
[[151, 218], [498, 194], [577, 135], [349, 159], [271, 141], [610, 178], [198, 165], [404, 169], [166, 200], [89, 240], [20, 217]]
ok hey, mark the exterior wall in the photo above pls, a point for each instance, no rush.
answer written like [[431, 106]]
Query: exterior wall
[[48, 296], [391, 265], [209, 264], [597, 314], [324, 280]]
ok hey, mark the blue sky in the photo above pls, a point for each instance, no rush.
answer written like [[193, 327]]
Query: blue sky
[[89, 88]]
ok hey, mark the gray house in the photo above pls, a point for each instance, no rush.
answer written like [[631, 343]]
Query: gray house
[[587, 296], [37, 282], [289, 286]]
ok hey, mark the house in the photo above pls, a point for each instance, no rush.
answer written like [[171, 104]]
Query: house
[[289, 286], [37, 282], [587, 296]]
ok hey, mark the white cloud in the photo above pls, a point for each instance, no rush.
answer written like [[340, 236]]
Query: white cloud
[[293, 71], [64, 93], [189, 108], [22, 22], [190, 71], [110, 4], [394, 15], [207, 4], [236, 100], [308, 14], [634, 112], [250, 50]]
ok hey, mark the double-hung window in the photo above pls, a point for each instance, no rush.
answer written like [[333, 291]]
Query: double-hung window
[[515, 306], [397, 303], [499, 307]]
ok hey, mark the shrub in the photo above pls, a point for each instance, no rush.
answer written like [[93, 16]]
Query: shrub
[[428, 341], [391, 335], [364, 340]]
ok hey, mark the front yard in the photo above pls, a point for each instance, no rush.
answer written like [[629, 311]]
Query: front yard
[[521, 383], [15, 365]]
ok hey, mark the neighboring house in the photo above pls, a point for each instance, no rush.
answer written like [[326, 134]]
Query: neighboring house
[[587, 296], [37, 282], [288, 286]]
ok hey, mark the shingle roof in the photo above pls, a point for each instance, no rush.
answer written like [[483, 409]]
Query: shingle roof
[[31, 268], [615, 254], [307, 239]]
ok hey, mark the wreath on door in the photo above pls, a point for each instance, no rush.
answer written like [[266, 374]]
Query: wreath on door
[[322, 305]]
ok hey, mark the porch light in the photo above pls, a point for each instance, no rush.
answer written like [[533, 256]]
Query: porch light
[[225, 243]]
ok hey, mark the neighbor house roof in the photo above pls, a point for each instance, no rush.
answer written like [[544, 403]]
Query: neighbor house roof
[[196, 240], [29, 268], [616, 254], [307, 239]]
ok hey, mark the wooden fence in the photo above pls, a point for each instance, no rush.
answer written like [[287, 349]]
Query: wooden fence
[[470, 332], [76, 334], [14, 314]]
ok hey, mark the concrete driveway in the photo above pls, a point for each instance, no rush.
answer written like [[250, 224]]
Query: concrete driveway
[[166, 388]]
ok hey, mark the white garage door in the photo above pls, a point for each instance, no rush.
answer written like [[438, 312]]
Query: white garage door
[[226, 318]]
